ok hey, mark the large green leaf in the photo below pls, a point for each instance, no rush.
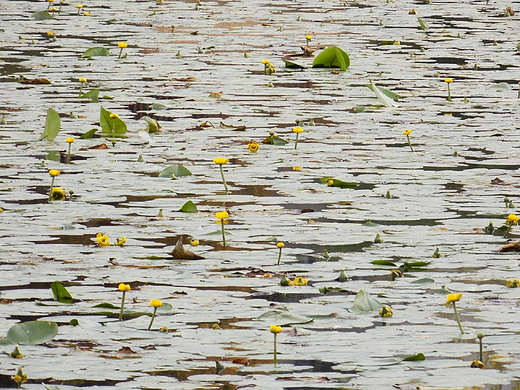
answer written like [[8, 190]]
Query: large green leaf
[[364, 302], [189, 207], [174, 171], [332, 57], [92, 95], [31, 332], [61, 294], [96, 52], [41, 15], [113, 127], [284, 318], [52, 125]]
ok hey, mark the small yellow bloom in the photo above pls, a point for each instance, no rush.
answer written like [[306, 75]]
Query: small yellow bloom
[[1, 210], [397, 42], [54, 9], [102, 240], [453, 298], [54, 172], [330, 182], [86, 13], [221, 160], [121, 241], [280, 245], [58, 193], [222, 215], [124, 287], [299, 281], [386, 311], [155, 303], [253, 147], [297, 130], [69, 140], [194, 242], [79, 6], [265, 62], [297, 168], [122, 45], [215, 326], [308, 37], [448, 80], [50, 34], [82, 80], [513, 283], [275, 329], [512, 219], [114, 116], [407, 132]]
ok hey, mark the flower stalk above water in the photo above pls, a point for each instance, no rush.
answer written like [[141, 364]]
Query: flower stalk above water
[[124, 288], [275, 329], [70, 141], [121, 45], [221, 220], [512, 219], [82, 81], [448, 81], [308, 38], [155, 303], [221, 161], [269, 69], [407, 132], [53, 173], [452, 298], [297, 130], [280, 245]]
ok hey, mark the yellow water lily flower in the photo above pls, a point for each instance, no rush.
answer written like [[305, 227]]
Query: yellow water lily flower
[[122, 45], [121, 241], [407, 132], [299, 281], [265, 62], [124, 287], [253, 147], [69, 140], [221, 160], [275, 329], [58, 193], [280, 245], [308, 37], [512, 219], [155, 303], [222, 215], [297, 130], [114, 115], [82, 80], [453, 298], [297, 168], [386, 311], [54, 172], [102, 240], [448, 80]]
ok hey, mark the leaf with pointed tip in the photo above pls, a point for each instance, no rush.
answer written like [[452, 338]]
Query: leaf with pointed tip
[[174, 171], [189, 207], [92, 95], [414, 358], [284, 318], [96, 52], [332, 57], [293, 65], [52, 125], [364, 302], [61, 294]]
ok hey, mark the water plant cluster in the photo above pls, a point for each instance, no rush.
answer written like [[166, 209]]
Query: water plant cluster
[[299, 194]]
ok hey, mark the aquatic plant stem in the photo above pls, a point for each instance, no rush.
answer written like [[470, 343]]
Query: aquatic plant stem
[[449, 93], [153, 318], [223, 234], [457, 318], [68, 154], [408, 140], [508, 229], [296, 142], [223, 179], [122, 306], [50, 191], [275, 352], [279, 256], [480, 345]]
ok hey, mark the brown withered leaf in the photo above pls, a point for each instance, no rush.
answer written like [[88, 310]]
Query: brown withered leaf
[[511, 247], [38, 80], [100, 146], [126, 351], [179, 252]]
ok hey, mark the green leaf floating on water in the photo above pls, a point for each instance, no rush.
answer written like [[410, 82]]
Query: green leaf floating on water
[[189, 207], [331, 182], [89, 134], [52, 125], [113, 127], [384, 262], [387, 92], [165, 310], [174, 171], [41, 15], [364, 302], [96, 52], [284, 318], [107, 305], [332, 57], [293, 65], [92, 95], [326, 290], [30, 332], [60, 293], [414, 358]]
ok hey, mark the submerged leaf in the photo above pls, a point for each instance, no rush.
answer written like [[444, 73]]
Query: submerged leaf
[[31, 332], [414, 358], [61, 294], [174, 171], [96, 52], [52, 125], [365, 302], [332, 57], [284, 318], [41, 15]]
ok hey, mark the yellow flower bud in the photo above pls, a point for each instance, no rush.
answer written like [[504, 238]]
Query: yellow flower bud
[[221, 160], [222, 215], [69, 140], [124, 287], [155, 303], [280, 245], [453, 298], [275, 329], [54, 172], [122, 45]]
